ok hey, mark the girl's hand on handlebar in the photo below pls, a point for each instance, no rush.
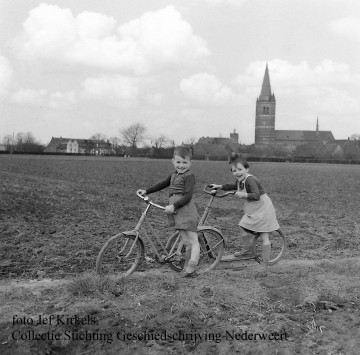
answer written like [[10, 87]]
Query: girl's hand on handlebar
[[141, 192], [215, 186], [170, 209], [240, 194]]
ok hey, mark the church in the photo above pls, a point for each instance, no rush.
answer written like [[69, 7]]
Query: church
[[265, 132]]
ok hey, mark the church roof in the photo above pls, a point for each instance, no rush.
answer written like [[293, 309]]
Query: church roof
[[293, 135], [265, 94]]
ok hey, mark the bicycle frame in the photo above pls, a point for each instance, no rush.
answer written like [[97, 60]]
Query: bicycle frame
[[208, 207], [134, 234]]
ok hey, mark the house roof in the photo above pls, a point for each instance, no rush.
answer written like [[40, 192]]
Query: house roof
[[61, 142]]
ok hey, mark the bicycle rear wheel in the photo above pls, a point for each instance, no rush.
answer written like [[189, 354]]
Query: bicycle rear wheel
[[278, 246], [211, 250], [212, 246], [120, 256], [171, 247]]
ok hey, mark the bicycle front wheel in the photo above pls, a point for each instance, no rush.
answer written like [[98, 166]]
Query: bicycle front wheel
[[278, 246], [120, 256]]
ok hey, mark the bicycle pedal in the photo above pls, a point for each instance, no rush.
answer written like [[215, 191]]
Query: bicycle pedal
[[161, 259]]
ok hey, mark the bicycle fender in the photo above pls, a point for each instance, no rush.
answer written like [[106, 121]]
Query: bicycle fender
[[130, 234], [201, 228]]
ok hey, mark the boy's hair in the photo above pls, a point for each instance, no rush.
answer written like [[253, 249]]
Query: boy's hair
[[235, 158], [182, 152]]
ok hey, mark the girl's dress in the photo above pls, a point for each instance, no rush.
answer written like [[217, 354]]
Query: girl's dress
[[259, 214]]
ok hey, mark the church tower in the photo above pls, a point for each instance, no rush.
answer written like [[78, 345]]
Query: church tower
[[265, 113]]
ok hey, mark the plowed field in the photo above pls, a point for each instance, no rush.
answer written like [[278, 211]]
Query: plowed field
[[56, 213]]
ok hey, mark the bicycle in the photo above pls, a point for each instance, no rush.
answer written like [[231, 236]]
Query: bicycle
[[277, 240], [123, 253]]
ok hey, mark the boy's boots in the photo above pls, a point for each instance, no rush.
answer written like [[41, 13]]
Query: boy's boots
[[190, 265], [187, 258], [190, 270]]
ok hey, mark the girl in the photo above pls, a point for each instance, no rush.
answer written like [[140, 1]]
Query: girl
[[259, 211], [182, 183]]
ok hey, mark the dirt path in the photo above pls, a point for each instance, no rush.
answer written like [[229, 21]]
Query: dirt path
[[234, 266], [314, 302]]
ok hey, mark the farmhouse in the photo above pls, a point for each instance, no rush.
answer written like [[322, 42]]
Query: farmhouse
[[79, 146], [216, 146]]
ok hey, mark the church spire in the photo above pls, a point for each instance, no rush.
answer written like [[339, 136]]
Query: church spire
[[317, 125], [266, 88]]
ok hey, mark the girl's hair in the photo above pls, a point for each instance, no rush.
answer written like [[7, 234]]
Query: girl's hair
[[235, 158], [182, 152]]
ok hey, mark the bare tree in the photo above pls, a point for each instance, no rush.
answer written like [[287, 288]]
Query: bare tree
[[115, 141], [355, 137], [19, 138], [28, 138], [133, 134], [172, 143], [98, 136], [8, 141], [26, 142], [191, 140], [160, 142]]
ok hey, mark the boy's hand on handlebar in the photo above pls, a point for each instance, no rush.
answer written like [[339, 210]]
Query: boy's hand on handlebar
[[170, 209], [141, 192], [215, 186]]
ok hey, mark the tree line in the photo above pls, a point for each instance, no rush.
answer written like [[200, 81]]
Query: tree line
[[23, 142], [129, 140]]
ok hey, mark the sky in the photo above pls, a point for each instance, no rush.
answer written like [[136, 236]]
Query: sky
[[184, 68]]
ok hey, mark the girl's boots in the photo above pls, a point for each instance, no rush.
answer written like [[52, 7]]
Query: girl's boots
[[266, 251]]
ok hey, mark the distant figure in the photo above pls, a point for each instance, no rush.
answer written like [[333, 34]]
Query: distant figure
[[185, 219], [259, 217]]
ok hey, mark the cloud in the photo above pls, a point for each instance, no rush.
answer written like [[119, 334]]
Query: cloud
[[206, 88], [140, 46], [222, 2], [118, 90], [319, 88], [348, 27], [29, 97], [6, 75], [154, 99], [60, 99], [285, 74], [332, 101], [43, 98]]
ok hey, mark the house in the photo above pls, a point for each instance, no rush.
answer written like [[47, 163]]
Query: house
[[207, 147], [79, 146]]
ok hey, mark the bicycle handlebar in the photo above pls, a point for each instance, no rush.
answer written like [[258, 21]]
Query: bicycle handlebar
[[147, 200], [213, 192]]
